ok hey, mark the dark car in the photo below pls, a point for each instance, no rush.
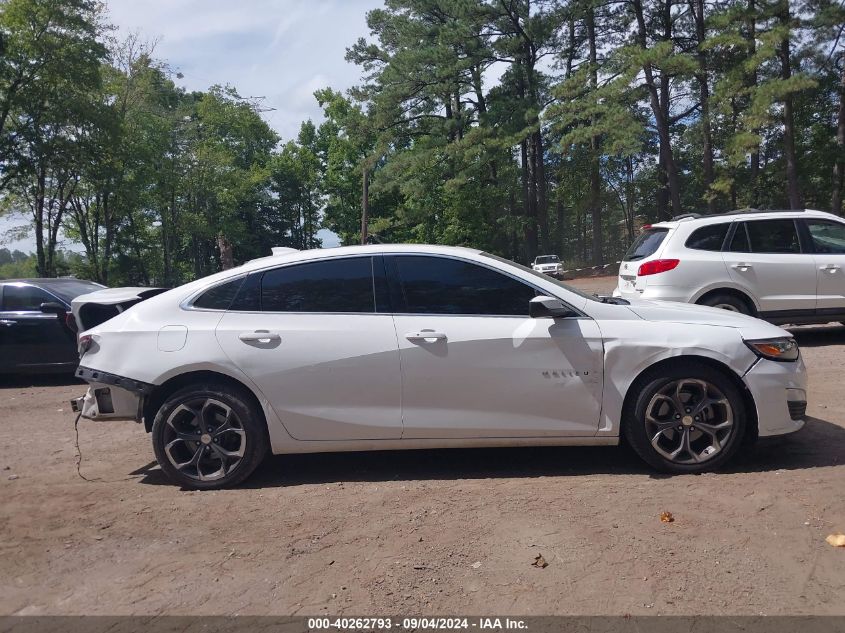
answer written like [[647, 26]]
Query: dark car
[[37, 333]]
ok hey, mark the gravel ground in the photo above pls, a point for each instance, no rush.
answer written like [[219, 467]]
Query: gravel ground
[[431, 532]]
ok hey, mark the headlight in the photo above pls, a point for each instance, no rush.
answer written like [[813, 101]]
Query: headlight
[[782, 349]]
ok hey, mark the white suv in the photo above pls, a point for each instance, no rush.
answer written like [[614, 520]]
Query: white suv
[[782, 266], [548, 265]]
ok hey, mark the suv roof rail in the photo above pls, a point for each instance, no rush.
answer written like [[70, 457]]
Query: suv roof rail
[[686, 216], [751, 210]]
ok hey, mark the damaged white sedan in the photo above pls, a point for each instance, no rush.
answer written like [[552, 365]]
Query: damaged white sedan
[[394, 347]]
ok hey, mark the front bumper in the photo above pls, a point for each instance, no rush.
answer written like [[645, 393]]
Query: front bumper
[[780, 394]]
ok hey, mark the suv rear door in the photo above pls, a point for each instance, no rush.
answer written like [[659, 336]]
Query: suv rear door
[[767, 259]]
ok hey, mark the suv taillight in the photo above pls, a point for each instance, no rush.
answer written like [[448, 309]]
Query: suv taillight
[[656, 266]]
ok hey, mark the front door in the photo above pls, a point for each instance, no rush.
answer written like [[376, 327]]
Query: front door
[[828, 241], [318, 341], [475, 365]]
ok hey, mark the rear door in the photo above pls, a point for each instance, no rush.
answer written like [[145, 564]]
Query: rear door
[[318, 340], [827, 238], [766, 258], [28, 336]]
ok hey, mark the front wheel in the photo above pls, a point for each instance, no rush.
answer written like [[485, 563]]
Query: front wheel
[[686, 419], [209, 436]]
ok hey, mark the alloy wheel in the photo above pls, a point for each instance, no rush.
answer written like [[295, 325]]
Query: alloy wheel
[[204, 439], [689, 421]]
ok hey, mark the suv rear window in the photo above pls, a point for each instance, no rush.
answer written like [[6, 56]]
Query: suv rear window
[[708, 238], [646, 244]]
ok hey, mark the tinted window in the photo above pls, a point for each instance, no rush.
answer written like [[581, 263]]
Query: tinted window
[[337, 285], [828, 237], [708, 238], [739, 241], [773, 236], [220, 297], [438, 285], [69, 290], [646, 244], [24, 298]]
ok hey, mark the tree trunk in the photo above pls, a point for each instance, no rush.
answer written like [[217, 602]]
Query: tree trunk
[[365, 205], [659, 107], [697, 7], [792, 187], [227, 260], [595, 173], [839, 163], [540, 182], [751, 83]]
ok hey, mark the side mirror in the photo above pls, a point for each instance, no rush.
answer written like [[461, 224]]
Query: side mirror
[[52, 307], [544, 307]]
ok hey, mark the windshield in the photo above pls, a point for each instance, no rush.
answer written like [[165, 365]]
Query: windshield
[[546, 278], [547, 259], [646, 244]]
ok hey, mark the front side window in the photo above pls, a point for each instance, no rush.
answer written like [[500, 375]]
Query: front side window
[[828, 237], [23, 298], [334, 285], [440, 285], [708, 238], [773, 236]]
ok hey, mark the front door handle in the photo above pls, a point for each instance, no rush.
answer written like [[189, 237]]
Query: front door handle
[[742, 266], [6, 323], [259, 336], [426, 335], [831, 268]]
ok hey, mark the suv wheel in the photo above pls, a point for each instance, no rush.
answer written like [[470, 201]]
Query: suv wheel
[[209, 436], [727, 302], [687, 419]]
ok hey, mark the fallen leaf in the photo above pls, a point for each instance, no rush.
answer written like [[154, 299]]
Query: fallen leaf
[[837, 540], [666, 517], [476, 564], [540, 562]]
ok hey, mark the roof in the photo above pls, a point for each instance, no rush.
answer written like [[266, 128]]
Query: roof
[[346, 251], [49, 281], [756, 214]]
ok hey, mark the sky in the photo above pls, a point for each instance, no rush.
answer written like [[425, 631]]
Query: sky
[[282, 50]]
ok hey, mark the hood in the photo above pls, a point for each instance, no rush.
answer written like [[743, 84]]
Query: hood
[[692, 314]]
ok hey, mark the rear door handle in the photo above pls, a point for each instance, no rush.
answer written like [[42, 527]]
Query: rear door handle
[[742, 266], [831, 268], [259, 336], [6, 323], [426, 335]]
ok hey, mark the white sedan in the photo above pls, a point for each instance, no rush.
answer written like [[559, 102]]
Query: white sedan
[[411, 346]]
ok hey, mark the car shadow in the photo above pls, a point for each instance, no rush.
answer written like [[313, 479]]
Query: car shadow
[[820, 444], [11, 381], [818, 335]]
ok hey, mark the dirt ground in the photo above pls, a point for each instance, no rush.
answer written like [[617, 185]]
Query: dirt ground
[[430, 532]]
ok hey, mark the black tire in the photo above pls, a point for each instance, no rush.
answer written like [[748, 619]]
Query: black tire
[[663, 424], [727, 302], [207, 426]]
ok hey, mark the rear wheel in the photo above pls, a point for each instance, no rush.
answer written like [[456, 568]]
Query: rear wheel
[[688, 418], [728, 302], [209, 436]]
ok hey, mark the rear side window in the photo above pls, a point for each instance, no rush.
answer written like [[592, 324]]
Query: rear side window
[[773, 236], [440, 285], [828, 237], [336, 285], [24, 298], [708, 238], [646, 244], [219, 297]]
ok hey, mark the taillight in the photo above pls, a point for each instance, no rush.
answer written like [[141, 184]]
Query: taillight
[[656, 266], [70, 322], [85, 342]]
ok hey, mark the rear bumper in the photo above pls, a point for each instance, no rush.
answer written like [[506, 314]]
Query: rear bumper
[[111, 397], [657, 293], [780, 394]]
